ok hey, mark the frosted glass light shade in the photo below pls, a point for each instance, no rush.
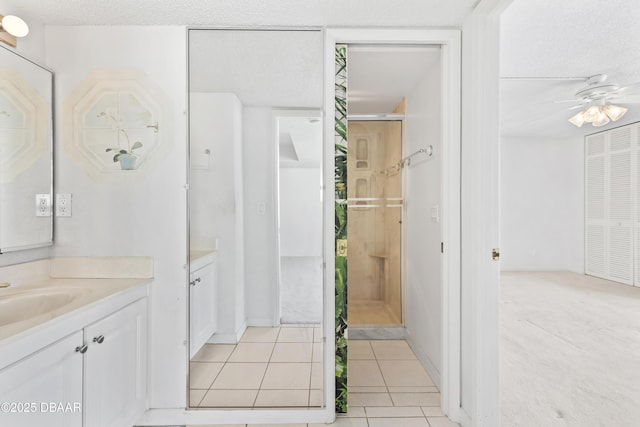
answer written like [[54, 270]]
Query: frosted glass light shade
[[592, 113], [14, 26], [577, 120], [601, 120], [614, 112]]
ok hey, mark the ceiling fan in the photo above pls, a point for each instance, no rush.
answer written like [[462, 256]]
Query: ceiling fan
[[595, 101]]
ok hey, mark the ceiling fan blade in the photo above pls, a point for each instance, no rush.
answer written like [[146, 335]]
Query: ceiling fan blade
[[576, 107], [630, 88], [625, 99]]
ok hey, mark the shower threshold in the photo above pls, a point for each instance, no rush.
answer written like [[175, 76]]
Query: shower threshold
[[376, 332]]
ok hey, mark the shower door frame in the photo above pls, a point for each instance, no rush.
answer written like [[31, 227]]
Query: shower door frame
[[450, 42], [400, 118]]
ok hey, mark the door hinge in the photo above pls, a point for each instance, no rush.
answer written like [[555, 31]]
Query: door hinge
[[495, 254]]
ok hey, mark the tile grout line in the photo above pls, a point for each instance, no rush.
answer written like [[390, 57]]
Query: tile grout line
[[266, 368]]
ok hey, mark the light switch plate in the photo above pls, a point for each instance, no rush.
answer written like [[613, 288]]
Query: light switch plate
[[63, 204]]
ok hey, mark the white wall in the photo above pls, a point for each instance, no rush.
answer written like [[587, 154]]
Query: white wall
[[423, 317], [542, 204], [217, 198], [260, 230], [146, 217], [300, 212]]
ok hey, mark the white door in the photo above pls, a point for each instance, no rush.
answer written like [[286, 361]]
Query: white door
[[595, 205], [33, 389], [609, 213], [115, 368]]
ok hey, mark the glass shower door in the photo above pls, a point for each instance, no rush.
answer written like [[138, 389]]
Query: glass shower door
[[375, 220]]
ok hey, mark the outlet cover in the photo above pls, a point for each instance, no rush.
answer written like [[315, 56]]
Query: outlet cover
[[43, 205], [63, 204]]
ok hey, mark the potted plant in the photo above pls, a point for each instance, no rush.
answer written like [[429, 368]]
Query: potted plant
[[127, 158]]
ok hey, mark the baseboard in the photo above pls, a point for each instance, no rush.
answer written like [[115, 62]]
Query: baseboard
[[261, 322], [431, 369], [229, 337]]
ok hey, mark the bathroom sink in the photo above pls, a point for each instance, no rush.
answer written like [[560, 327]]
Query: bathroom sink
[[20, 306]]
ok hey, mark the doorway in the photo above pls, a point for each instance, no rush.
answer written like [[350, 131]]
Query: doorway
[[434, 347]]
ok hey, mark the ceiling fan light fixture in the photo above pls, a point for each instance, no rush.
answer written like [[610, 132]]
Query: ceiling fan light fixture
[[592, 113], [577, 120], [614, 112], [601, 120]]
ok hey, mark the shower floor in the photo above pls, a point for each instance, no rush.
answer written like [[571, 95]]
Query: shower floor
[[363, 312]]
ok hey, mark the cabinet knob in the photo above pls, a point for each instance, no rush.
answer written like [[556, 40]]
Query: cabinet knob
[[82, 349], [194, 282], [99, 339]]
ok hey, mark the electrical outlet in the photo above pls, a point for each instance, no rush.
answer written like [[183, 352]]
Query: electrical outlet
[[43, 204], [63, 204]]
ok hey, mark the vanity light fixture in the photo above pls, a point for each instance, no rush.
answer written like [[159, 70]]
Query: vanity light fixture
[[12, 27], [598, 115]]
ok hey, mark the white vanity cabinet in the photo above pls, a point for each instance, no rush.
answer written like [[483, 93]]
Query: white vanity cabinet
[[52, 375], [95, 377], [203, 284], [115, 368]]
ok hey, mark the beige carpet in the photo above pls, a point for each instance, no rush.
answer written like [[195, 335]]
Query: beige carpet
[[570, 351]]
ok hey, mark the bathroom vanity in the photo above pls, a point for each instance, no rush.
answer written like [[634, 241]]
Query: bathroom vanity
[[203, 313], [73, 346]]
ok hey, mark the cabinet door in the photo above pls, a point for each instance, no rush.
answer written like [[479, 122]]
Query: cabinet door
[[115, 368], [45, 388], [203, 304]]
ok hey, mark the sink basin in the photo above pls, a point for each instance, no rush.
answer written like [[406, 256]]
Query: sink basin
[[20, 306]]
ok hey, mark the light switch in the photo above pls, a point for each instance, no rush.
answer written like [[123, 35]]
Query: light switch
[[435, 213], [261, 208]]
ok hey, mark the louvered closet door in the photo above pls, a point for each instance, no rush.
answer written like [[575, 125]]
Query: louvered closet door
[[595, 172], [620, 207]]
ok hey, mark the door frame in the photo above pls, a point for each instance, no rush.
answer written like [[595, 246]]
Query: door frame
[[450, 42], [480, 292]]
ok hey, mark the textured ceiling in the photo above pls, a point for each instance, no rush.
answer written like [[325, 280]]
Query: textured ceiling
[[569, 38], [241, 12], [379, 77]]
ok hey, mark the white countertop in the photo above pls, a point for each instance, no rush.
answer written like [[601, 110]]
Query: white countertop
[[94, 299], [200, 258]]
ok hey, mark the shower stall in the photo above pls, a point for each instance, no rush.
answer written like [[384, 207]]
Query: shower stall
[[375, 207]]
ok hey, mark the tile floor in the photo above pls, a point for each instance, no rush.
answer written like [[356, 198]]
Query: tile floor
[[269, 367], [387, 388]]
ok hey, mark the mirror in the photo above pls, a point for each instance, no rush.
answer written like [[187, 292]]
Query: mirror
[[255, 342], [26, 92], [300, 227]]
